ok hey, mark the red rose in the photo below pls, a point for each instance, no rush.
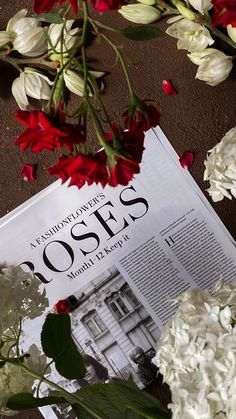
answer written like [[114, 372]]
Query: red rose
[[141, 117], [81, 169], [42, 134], [224, 12], [131, 145], [62, 306], [41, 6], [106, 5]]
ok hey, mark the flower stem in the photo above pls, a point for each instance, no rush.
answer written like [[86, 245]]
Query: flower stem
[[122, 62]]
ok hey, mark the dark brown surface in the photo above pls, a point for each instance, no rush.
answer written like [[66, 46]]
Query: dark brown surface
[[194, 119]]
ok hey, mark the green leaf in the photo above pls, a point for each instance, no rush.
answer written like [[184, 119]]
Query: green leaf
[[58, 344], [141, 33], [22, 401], [117, 400], [50, 18]]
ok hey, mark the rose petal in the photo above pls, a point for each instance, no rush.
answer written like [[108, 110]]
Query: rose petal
[[168, 87], [28, 172], [186, 160]]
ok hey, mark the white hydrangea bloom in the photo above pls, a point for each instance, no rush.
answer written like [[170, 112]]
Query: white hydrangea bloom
[[196, 354], [13, 380], [20, 297], [220, 168], [191, 35]]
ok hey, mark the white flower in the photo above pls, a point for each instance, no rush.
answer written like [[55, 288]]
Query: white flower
[[231, 32], [140, 13], [197, 354], [30, 38], [201, 5], [30, 83], [5, 37], [62, 38], [220, 168], [75, 82], [191, 35], [20, 298], [214, 65]]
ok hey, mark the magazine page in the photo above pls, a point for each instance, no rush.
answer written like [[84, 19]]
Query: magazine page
[[120, 255]]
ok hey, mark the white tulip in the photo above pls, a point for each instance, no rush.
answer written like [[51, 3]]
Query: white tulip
[[62, 37], [231, 32], [220, 168], [201, 5], [191, 35], [214, 65], [140, 13], [30, 39], [30, 83]]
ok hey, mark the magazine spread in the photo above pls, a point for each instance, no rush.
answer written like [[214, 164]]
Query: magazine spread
[[121, 254]]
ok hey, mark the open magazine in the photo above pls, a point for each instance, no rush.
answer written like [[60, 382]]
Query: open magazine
[[121, 254]]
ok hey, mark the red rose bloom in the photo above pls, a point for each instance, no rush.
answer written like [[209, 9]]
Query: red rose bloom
[[81, 169], [42, 134], [142, 117], [41, 6], [94, 168], [106, 5], [131, 144], [62, 307], [224, 12]]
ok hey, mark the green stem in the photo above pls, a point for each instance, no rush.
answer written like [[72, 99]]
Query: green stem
[[122, 62], [16, 62], [74, 399], [83, 50], [220, 35], [101, 25]]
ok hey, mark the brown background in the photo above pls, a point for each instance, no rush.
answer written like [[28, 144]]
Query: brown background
[[194, 119]]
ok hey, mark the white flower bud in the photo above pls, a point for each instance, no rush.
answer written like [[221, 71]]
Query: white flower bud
[[149, 2], [201, 5], [214, 65], [185, 11], [231, 32], [62, 38], [75, 83], [140, 13], [30, 83], [191, 35], [30, 39]]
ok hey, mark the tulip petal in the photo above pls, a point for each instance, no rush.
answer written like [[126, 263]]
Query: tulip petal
[[28, 172], [186, 160], [168, 87]]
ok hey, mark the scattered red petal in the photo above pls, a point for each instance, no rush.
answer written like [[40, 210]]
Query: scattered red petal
[[168, 87], [28, 172], [186, 160]]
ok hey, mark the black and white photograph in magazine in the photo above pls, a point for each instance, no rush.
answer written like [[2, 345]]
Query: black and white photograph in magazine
[[114, 333]]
